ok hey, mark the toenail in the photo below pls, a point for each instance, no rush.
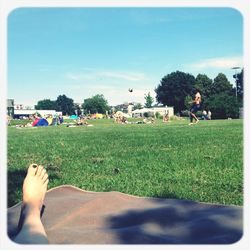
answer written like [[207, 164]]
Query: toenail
[[34, 165]]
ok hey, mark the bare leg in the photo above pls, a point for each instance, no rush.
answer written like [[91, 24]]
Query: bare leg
[[34, 189], [193, 116]]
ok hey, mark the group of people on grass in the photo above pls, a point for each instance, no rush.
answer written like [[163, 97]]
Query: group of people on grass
[[38, 121], [79, 121], [46, 121], [196, 106], [119, 117], [50, 120]]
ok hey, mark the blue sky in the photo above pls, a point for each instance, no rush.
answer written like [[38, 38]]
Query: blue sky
[[81, 52]]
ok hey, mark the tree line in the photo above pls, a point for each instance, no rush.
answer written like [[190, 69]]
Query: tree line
[[175, 89], [95, 104], [218, 95]]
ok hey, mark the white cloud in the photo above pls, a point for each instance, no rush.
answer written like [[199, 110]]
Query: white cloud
[[217, 63], [72, 76], [129, 76], [112, 84], [80, 76], [96, 74]]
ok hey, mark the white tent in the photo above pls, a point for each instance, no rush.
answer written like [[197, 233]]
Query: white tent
[[140, 112], [26, 112], [154, 110]]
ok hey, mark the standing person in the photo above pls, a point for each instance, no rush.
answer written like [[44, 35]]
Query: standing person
[[196, 104], [209, 115]]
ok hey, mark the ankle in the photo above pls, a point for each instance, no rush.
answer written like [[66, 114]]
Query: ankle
[[30, 209]]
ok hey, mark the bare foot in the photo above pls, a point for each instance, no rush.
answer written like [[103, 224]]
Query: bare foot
[[35, 186], [31, 230]]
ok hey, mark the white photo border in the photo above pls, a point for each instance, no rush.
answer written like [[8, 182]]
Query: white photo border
[[7, 6]]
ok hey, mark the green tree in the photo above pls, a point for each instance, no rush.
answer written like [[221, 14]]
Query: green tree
[[137, 106], [188, 100], [173, 89], [96, 104], [204, 84], [65, 105], [239, 79], [222, 100], [221, 85], [46, 104], [223, 106], [77, 109], [148, 100]]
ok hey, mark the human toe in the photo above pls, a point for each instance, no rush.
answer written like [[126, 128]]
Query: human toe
[[45, 177], [32, 169], [39, 170]]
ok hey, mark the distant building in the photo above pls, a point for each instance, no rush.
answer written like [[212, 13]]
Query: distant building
[[19, 106], [18, 111], [162, 110], [241, 112], [10, 107], [25, 113], [125, 108]]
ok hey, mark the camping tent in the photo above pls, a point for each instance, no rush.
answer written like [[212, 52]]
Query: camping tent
[[140, 112], [73, 117], [42, 122]]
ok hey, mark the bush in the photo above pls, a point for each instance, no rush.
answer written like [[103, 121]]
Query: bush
[[158, 115], [223, 106], [185, 113], [176, 118], [148, 114]]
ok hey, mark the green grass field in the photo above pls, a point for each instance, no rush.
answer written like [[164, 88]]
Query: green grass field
[[202, 162]]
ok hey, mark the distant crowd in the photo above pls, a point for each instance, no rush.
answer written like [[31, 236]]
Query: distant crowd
[[36, 120]]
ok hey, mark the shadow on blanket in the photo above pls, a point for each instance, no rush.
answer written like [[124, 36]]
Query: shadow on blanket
[[74, 216], [169, 225]]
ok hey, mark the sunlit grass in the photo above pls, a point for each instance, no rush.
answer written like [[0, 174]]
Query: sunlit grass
[[202, 162]]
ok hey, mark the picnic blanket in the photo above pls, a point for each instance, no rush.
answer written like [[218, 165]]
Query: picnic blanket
[[75, 216]]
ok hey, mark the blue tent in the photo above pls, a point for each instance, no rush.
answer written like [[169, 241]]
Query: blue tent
[[73, 117], [42, 122]]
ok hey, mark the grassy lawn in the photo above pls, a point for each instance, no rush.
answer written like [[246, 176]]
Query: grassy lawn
[[202, 162]]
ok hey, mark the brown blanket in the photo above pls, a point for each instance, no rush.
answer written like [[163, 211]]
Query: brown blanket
[[74, 216]]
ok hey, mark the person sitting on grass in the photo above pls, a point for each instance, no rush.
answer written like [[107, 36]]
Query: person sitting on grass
[[148, 120], [166, 117], [82, 121], [124, 120], [204, 115], [31, 229], [36, 119], [79, 122], [60, 119], [8, 120]]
